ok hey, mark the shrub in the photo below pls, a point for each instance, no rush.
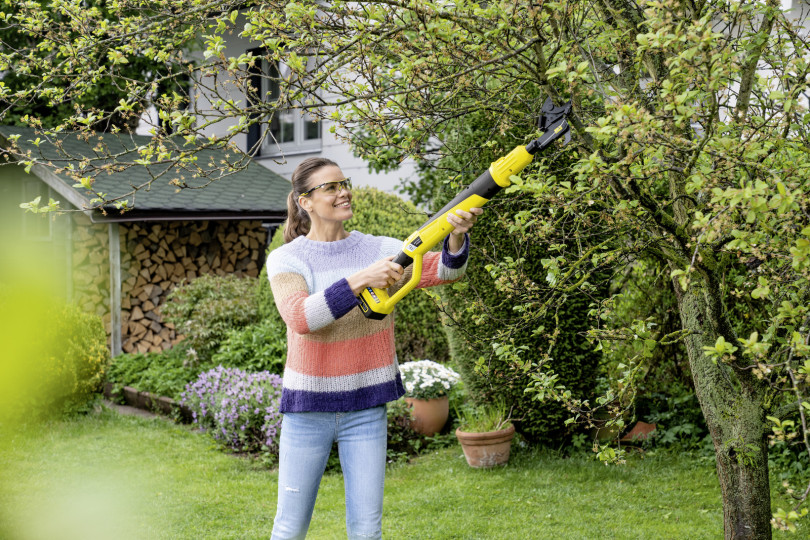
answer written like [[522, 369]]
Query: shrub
[[79, 358], [56, 368], [678, 419], [646, 301], [479, 311], [240, 408], [405, 443], [419, 332], [207, 308], [259, 347], [165, 373]]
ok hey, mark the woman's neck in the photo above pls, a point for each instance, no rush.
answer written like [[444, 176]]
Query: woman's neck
[[325, 233]]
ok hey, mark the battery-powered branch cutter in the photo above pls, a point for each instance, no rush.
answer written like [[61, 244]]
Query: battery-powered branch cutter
[[376, 303]]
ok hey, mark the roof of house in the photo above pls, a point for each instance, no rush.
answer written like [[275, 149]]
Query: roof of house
[[249, 192]]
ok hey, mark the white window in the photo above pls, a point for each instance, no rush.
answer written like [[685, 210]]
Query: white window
[[291, 131]]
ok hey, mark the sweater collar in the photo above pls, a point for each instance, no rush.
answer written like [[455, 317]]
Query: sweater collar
[[329, 248]]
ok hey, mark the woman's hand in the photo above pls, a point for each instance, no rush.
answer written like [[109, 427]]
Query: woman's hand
[[380, 275], [462, 221]]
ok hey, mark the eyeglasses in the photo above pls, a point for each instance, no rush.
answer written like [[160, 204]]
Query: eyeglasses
[[331, 188]]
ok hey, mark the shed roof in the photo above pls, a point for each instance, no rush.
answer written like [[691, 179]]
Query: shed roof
[[251, 192]]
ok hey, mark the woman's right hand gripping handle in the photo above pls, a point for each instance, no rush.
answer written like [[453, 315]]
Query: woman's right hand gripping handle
[[380, 275]]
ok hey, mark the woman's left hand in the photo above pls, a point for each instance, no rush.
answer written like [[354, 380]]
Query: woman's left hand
[[463, 221]]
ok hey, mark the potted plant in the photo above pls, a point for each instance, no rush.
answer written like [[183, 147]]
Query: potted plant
[[427, 384], [486, 434]]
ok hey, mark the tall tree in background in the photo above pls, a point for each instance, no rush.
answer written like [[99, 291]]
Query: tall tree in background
[[59, 66], [691, 152]]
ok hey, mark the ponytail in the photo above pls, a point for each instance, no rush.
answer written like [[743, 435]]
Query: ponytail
[[298, 222]]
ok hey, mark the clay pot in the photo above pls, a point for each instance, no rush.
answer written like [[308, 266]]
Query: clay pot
[[486, 449], [640, 432], [429, 415]]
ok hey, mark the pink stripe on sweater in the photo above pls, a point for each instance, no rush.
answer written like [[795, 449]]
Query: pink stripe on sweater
[[430, 270], [292, 311], [339, 358]]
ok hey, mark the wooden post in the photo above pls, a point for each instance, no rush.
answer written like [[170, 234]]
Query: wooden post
[[115, 290], [69, 225]]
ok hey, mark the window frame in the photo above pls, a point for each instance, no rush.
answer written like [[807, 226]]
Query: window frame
[[294, 116]]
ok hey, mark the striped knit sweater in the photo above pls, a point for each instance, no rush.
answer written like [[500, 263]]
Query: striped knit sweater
[[337, 359]]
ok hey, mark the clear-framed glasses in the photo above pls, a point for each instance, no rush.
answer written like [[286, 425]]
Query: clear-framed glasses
[[331, 188]]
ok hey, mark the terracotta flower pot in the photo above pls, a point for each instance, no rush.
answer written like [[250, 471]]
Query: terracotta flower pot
[[429, 415], [486, 449]]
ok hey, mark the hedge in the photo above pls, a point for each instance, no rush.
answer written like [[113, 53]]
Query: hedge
[[574, 359]]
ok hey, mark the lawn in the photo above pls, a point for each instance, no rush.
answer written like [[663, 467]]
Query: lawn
[[107, 476]]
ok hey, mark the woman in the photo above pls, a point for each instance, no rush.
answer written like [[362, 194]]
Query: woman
[[341, 368]]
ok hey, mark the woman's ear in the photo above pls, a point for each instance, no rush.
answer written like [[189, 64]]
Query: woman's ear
[[304, 203]]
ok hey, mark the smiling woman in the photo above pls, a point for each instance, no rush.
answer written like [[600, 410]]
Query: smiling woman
[[327, 203], [341, 367]]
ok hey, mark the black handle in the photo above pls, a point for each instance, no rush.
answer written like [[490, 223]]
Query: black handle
[[403, 259]]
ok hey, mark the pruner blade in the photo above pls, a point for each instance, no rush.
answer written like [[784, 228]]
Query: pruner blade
[[553, 124]]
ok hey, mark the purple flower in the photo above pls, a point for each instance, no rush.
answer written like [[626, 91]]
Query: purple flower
[[243, 407]]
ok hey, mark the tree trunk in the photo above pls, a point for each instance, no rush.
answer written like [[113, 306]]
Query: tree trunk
[[735, 416]]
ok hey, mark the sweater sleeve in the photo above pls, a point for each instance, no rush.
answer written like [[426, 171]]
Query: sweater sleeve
[[301, 311], [444, 267]]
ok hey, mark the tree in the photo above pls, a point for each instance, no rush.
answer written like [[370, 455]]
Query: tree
[[691, 153], [94, 66], [55, 74]]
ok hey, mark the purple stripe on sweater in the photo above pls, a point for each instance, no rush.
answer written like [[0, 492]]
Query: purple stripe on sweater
[[340, 298], [354, 400], [457, 260]]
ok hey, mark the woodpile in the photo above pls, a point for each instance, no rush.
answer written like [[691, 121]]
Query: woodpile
[[159, 256], [90, 267], [156, 257]]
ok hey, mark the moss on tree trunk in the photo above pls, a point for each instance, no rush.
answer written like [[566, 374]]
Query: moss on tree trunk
[[735, 415]]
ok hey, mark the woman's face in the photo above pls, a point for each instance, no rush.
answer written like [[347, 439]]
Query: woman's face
[[328, 195]]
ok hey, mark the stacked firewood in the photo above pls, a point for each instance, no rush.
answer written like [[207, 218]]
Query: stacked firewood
[[90, 267], [156, 257]]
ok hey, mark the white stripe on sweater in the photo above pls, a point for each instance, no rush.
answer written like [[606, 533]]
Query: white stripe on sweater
[[298, 381]]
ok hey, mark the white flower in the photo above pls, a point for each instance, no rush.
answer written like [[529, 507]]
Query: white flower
[[425, 379]]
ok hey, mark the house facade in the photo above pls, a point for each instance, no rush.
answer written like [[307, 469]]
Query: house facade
[[295, 137]]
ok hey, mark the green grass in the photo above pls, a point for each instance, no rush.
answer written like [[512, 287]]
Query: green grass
[[106, 477]]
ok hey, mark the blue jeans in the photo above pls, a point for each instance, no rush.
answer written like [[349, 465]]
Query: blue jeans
[[305, 444]]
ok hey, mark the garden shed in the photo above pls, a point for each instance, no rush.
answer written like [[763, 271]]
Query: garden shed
[[122, 265]]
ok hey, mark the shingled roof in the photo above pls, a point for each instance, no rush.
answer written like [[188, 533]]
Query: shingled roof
[[252, 192]]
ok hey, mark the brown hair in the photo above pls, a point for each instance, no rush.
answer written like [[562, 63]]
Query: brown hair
[[298, 222]]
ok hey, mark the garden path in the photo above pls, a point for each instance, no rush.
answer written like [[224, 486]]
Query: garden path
[[127, 410]]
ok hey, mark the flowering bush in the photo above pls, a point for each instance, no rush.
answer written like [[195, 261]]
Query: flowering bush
[[240, 408], [425, 379]]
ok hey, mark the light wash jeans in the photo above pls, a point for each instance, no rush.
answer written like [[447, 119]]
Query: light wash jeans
[[306, 440]]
